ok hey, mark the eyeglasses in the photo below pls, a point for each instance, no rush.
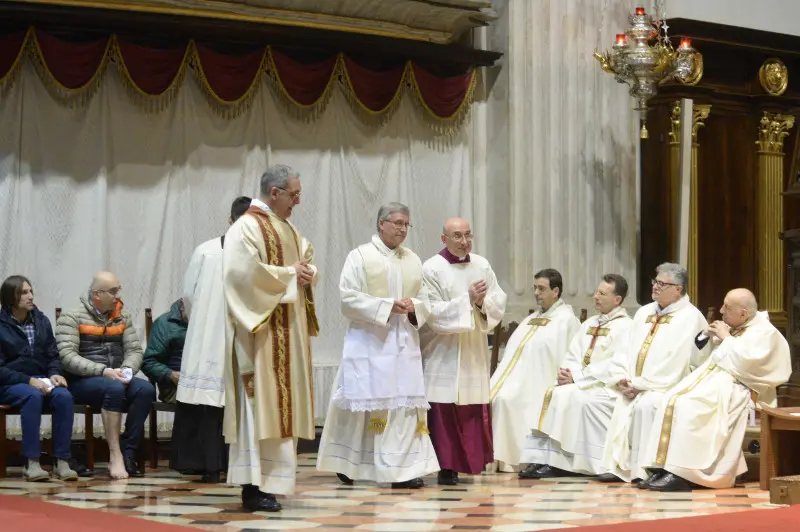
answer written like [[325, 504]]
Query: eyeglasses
[[459, 236], [400, 225], [293, 195], [110, 291], [661, 284]]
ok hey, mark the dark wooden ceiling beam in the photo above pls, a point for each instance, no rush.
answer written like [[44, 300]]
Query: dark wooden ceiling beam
[[165, 30]]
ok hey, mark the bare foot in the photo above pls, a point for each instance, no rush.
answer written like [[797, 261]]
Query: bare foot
[[116, 468]]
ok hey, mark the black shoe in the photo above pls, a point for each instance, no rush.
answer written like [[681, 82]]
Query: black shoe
[[413, 484], [211, 478], [608, 477], [530, 471], [645, 483], [132, 467], [670, 482], [260, 502], [448, 477], [547, 471], [80, 469], [344, 479]]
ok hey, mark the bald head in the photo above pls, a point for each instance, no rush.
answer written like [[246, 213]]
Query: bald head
[[739, 307], [104, 280], [457, 236], [104, 291]]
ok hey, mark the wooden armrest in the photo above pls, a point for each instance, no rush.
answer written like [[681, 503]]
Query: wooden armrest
[[782, 413]]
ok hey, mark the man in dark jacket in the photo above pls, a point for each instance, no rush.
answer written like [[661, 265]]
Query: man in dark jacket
[[162, 358], [30, 378]]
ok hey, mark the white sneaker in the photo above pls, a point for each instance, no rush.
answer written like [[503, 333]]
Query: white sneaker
[[33, 472], [62, 471]]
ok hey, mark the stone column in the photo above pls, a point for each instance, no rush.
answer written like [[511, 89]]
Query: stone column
[[699, 114]]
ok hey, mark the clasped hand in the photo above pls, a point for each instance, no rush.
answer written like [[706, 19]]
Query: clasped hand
[[564, 376], [627, 389], [115, 374], [477, 291], [403, 306], [719, 329], [305, 274]]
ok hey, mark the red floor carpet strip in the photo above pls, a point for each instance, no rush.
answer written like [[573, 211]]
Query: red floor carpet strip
[[23, 514]]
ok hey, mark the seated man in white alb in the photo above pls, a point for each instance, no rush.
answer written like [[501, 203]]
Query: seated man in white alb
[[529, 367], [698, 431], [661, 352], [576, 413]]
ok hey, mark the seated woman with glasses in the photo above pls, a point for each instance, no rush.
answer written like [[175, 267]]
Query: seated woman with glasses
[[100, 354]]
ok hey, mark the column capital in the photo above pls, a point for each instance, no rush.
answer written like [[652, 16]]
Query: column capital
[[699, 114], [772, 130], [675, 123]]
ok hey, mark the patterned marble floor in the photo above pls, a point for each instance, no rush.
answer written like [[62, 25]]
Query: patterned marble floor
[[488, 502]]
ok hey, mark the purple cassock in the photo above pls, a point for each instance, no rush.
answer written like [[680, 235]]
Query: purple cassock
[[461, 434]]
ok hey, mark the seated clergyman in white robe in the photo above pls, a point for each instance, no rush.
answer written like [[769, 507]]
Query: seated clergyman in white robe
[[376, 425], [698, 431], [529, 367], [466, 304], [267, 278], [661, 353], [576, 413]]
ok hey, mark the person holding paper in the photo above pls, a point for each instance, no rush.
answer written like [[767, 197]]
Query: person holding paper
[[100, 353], [30, 379]]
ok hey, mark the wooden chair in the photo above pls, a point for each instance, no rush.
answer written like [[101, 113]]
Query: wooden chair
[[158, 406]]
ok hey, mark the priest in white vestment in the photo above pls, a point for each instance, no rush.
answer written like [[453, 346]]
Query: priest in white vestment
[[698, 431], [529, 367], [661, 353], [267, 280], [376, 427], [197, 444], [466, 304], [576, 413]]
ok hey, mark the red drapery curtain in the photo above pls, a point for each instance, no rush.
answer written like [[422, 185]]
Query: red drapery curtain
[[73, 70]]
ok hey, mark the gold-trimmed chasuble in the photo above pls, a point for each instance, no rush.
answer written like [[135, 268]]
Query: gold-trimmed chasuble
[[657, 320], [535, 323], [669, 412]]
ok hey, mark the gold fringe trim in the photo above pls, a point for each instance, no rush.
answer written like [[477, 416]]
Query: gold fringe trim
[[443, 128], [150, 103], [72, 98], [8, 81], [303, 112], [422, 428]]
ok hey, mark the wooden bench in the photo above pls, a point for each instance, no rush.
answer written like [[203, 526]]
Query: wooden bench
[[6, 410]]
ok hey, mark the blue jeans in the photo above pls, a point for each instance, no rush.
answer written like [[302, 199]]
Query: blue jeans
[[135, 398], [32, 403]]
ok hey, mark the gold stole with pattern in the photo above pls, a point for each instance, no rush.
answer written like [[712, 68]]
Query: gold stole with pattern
[[279, 323]]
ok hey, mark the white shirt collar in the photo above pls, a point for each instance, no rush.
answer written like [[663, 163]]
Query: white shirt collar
[[255, 202]]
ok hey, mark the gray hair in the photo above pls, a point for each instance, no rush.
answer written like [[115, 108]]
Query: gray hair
[[678, 273], [277, 176], [389, 209]]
